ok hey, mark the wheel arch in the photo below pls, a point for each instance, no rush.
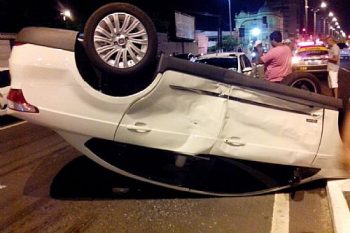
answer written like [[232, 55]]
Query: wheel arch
[[295, 77]]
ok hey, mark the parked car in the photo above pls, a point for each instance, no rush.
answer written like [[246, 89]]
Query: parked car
[[345, 53], [311, 59], [309, 65], [170, 122]]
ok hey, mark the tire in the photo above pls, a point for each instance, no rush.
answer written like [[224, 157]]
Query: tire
[[120, 39], [304, 81]]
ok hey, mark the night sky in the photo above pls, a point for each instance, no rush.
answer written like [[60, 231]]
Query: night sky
[[340, 8], [17, 14]]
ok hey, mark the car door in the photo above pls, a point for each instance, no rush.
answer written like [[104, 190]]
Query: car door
[[270, 128], [183, 113]]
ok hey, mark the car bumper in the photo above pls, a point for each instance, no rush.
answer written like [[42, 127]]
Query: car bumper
[[308, 68]]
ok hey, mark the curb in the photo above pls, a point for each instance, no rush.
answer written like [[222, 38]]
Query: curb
[[338, 205]]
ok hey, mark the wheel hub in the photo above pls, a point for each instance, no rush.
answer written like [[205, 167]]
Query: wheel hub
[[120, 40]]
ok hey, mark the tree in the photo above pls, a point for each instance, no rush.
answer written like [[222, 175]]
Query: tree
[[229, 43]]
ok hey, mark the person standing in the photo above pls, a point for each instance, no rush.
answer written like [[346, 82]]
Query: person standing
[[257, 50], [278, 60], [333, 64]]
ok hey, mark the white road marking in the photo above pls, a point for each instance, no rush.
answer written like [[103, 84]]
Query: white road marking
[[12, 125], [280, 216], [345, 69], [2, 186], [338, 205]]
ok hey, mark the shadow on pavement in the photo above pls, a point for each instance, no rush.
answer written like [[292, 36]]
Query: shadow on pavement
[[84, 179]]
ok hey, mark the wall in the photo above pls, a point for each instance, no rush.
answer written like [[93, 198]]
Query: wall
[[169, 47], [5, 51]]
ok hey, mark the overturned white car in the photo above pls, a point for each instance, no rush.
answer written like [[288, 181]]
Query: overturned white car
[[182, 125]]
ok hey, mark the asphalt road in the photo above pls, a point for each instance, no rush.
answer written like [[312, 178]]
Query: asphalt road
[[48, 186], [344, 81]]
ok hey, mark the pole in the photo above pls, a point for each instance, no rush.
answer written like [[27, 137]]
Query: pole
[[229, 16], [315, 20], [220, 36], [306, 16], [315, 11]]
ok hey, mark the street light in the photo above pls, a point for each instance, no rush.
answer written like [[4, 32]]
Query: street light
[[332, 22], [66, 14], [255, 32], [323, 5]]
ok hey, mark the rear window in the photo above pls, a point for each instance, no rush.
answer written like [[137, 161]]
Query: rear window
[[309, 52], [227, 63]]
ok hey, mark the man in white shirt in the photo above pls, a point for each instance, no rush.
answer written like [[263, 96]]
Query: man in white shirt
[[333, 64]]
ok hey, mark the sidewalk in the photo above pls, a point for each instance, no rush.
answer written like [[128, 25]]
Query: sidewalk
[[339, 199]]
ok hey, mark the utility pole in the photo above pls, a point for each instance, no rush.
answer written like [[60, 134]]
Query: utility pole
[[315, 20], [306, 16], [230, 16]]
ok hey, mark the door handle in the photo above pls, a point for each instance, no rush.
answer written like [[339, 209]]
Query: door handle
[[234, 141], [139, 127], [318, 116]]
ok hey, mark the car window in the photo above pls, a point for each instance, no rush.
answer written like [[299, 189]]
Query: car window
[[245, 62], [227, 63]]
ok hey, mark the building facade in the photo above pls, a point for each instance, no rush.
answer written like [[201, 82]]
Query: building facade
[[292, 12], [259, 25], [282, 15]]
